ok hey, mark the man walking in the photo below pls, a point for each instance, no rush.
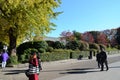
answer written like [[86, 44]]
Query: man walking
[[103, 59], [98, 59]]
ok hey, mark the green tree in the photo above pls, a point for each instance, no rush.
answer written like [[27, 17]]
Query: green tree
[[21, 18], [83, 45], [58, 45], [77, 35], [72, 45], [94, 46]]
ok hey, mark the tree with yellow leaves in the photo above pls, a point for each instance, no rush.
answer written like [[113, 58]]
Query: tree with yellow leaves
[[21, 18]]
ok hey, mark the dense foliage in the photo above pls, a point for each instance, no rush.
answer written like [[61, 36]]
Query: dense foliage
[[25, 18]]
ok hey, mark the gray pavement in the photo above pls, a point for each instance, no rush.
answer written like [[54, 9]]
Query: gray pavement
[[95, 74], [17, 73]]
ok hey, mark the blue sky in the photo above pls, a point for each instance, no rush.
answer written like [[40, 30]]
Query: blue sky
[[87, 15]]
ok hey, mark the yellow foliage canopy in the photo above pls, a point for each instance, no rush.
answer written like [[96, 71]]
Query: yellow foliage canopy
[[26, 17]]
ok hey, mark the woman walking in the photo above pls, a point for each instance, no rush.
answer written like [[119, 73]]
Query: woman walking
[[4, 57], [33, 70]]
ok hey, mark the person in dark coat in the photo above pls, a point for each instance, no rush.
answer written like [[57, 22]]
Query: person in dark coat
[[103, 59], [98, 59]]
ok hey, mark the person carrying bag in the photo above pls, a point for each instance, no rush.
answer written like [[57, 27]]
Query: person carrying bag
[[33, 72]]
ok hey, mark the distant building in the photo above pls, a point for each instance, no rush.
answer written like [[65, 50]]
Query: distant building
[[55, 39], [51, 39], [60, 39]]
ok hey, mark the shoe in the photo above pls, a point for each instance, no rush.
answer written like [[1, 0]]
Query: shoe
[[101, 70], [98, 67], [107, 69]]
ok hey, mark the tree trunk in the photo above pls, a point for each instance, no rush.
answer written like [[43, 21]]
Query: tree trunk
[[12, 43]]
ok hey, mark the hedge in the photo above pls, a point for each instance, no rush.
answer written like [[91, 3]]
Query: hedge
[[56, 54], [62, 55]]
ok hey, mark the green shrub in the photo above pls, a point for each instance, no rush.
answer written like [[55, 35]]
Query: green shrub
[[61, 54], [58, 45], [49, 49], [53, 56], [72, 45], [50, 43], [41, 50], [41, 46], [94, 46], [25, 56], [76, 54], [13, 60], [37, 45], [56, 54], [83, 45]]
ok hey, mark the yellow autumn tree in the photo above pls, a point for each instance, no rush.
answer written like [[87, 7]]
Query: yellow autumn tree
[[21, 18]]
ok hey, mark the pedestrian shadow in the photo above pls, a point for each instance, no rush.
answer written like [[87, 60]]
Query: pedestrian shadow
[[57, 70], [85, 70], [52, 70], [12, 72], [114, 67], [73, 71], [81, 71]]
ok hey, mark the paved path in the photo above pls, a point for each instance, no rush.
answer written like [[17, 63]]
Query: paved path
[[61, 70], [95, 74]]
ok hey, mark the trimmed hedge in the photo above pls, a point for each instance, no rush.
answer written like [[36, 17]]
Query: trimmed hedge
[[76, 54], [56, 54], [63, 54]]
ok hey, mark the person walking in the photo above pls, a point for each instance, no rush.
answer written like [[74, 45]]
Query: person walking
[[5, 57], [33, 71], [103, 59], [39, 61], [98, 59]]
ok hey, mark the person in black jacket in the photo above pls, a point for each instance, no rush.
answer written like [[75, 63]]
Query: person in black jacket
[[98, 59], [103, 59]]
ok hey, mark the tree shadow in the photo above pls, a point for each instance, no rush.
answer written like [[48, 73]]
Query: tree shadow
[[12, 72]]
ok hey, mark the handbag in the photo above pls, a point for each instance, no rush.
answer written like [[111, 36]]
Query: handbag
[[27, 73], [32, 70]]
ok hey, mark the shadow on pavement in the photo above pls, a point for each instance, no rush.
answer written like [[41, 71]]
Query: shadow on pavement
[[12, 72], [80, 71], [66, 71], [84, 70], [73, 71], [115, 67], [52, 70], [56, 70]]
